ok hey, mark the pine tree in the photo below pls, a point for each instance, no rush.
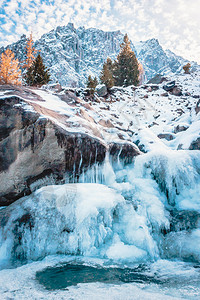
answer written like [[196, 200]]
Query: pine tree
[[126, 66], [9, 68], [91, 84], [30, 52], [37, 74], [106, 75], [95, 81]]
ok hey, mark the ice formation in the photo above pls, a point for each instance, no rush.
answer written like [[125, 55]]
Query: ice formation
[[117, 212]]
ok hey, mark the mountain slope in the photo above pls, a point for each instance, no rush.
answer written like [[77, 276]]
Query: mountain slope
[[73, 54]]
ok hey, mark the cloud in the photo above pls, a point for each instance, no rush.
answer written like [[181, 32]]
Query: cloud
[[174, 23]]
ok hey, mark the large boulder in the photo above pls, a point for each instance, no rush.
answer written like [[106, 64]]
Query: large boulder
[[166, 136], [101, 90], [169, 86], [34, 151], [195, 145], [172, 88], [180, 128], [176, 91]]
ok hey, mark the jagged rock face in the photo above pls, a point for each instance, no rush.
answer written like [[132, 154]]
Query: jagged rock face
[[153, 57], [73, 54], [157, 61], [36, 152]]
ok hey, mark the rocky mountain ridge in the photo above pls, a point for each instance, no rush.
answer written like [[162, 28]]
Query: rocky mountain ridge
[[72, 54]]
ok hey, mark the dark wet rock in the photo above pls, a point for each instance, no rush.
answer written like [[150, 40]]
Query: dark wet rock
[[164, 94], [125, 152], [183, 220], [154, 87], [169, 86], [180, 111], [86, 92], [166, 136], [176, 91], [116, 89], [195, 145], [180, 128], [197, 108]]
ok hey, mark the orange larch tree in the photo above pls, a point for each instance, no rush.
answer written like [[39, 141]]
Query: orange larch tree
[[30, 52], [10, 72]]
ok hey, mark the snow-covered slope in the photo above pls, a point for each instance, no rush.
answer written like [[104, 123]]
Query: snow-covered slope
[[147, 116], [143, 215], [154, 118], [72, 54]]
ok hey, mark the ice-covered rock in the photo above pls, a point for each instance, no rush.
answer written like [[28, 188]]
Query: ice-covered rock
[[83, 219], [101, 90], [47, 139]]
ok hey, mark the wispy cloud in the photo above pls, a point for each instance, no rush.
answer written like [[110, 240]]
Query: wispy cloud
[[174, 23]]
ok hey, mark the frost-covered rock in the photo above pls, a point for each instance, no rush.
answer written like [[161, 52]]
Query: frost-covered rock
[[195, 145], [176, 91], [169, 86], [101, 90], [180, 128], [167, 136]]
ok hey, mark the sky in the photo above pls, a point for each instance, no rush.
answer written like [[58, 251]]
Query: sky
[[175, 23]]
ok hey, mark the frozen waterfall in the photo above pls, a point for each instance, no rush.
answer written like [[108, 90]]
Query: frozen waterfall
[[123, 213]]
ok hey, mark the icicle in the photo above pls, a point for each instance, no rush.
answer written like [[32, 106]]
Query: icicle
[[80, 164], [108, 172], [119, 164], [74, 170]]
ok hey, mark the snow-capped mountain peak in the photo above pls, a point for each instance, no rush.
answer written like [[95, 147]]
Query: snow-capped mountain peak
[[73, 54]]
